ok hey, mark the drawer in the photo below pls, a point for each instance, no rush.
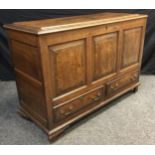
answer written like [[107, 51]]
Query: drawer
[[71, 107], [122, 83]]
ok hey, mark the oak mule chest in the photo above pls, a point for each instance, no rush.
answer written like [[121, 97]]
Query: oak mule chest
[[68, 67]]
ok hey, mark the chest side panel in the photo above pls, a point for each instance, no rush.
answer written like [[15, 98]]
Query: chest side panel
[[27, 65], [26, 59]]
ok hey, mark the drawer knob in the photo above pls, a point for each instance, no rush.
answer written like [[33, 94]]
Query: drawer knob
[[62, 111], [82, 97], [70, 107], [117, 85], [112, 87], [99, 94], [133, 78], [96, 98]]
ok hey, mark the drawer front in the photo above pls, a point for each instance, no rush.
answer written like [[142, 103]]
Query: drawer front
[[122, 82], [70, 108]]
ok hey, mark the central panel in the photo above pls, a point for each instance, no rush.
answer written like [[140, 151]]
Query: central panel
[[68, 62], [105, 54]]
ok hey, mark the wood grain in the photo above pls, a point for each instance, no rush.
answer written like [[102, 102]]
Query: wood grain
[[71, 23], [69, 64], [105, 54], [131, 46], [68, 67]]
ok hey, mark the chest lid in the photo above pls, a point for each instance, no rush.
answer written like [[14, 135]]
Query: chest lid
[[69, 23]]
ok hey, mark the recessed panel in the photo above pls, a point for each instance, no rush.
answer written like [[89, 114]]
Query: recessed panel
[[69, 66], [131, 46], [105, 54], [31, 95], [26, 59]]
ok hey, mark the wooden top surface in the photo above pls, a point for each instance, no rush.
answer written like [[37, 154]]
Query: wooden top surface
[[69, 23]]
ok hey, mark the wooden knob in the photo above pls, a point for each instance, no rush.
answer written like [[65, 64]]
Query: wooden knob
[[62, 111], [117, 85], [70, 107], [81, 97], [133, 78], [92, 98], [99, 94], [95, 99], [112, 87]]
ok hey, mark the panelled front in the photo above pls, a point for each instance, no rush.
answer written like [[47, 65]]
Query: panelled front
[[94, 53]]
